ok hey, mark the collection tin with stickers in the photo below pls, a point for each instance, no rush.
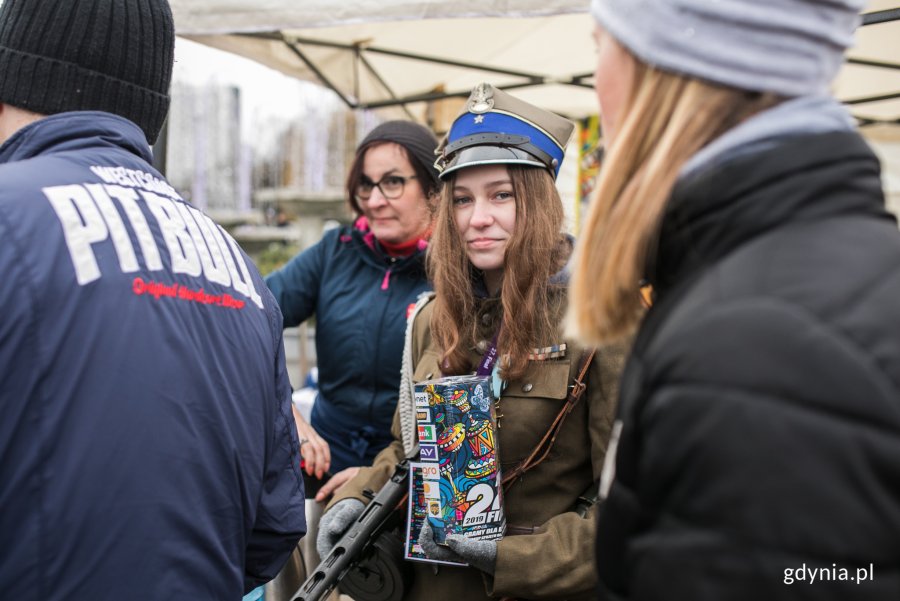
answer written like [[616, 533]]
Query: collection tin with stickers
[[457, 433]]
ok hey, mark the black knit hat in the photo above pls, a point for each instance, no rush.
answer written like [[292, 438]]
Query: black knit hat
[[418, 140], [88, 55]]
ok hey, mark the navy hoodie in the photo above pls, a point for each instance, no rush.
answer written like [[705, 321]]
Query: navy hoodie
[[147, 444]]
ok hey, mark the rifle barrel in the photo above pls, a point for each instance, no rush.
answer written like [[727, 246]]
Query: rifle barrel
[[356, 540]]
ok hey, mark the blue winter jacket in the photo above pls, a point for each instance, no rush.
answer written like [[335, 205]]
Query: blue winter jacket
[[361, 298], [148, 449]]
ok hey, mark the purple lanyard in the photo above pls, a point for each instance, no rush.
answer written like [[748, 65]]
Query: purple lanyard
[[486, 365]]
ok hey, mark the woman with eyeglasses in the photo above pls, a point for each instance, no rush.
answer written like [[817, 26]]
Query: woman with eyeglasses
[[359, 282]]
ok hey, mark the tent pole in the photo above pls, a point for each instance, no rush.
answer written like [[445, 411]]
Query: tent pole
[[439, 96], [384, 84], [320, 75], [880, 16], [161, 148], [872, 98], [868, 63], [417, 57]]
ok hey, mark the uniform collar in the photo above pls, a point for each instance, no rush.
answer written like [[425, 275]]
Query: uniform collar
[[74, 131]]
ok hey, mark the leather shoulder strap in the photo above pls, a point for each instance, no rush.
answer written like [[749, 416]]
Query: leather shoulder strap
[[542, 448]]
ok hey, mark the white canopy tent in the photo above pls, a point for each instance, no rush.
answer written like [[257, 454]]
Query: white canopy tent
[[379, 53]]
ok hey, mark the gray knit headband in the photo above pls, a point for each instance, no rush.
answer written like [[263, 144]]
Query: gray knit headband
[[789, 47]]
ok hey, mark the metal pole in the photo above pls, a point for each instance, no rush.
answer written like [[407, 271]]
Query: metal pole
[[161, 148]]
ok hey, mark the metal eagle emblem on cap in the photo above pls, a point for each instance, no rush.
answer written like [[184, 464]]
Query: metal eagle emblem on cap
[[481, 100]]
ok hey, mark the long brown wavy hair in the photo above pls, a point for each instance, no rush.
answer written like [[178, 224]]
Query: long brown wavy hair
[[666, 120], [536, 250]]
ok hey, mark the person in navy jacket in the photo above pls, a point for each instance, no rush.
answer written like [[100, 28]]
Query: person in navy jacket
[[147, 443], [360, 282]]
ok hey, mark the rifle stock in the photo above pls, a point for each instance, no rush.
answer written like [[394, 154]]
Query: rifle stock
[[358, 540]]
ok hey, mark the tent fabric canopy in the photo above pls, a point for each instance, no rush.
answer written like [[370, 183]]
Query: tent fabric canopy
[[380, 53], [209, 17], [403, 50]]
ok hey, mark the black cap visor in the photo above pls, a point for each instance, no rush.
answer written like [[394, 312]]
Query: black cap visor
[[489, 155]]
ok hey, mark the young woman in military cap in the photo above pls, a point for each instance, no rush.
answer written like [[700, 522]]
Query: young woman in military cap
[[497, 262]]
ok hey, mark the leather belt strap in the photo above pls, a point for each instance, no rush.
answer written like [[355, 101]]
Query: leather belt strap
[[542, 448]]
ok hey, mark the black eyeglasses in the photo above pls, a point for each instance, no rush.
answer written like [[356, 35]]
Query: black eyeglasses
[[391, 187]]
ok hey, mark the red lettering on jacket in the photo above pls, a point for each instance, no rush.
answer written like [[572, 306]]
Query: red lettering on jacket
[[159, 290]]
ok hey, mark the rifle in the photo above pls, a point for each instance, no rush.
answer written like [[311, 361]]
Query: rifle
[[368, 559]]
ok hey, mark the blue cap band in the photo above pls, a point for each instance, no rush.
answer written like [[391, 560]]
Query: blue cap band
[[470, 124]]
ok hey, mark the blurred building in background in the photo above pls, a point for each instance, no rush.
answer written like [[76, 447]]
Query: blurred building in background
[[208, 161], [275, 182]]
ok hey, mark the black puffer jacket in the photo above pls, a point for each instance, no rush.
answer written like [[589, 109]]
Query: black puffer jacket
[[761, 404]]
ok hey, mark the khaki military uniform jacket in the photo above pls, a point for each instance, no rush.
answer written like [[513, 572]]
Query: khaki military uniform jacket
[[548, 552]]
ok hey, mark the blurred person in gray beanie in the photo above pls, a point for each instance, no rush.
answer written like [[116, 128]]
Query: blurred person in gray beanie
[[754, 452], [147, 441], [789, 48]]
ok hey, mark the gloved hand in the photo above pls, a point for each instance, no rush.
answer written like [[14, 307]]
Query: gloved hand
[[481, 554], [432, 549], [335, 522]]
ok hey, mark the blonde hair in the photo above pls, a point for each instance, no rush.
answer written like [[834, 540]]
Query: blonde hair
[[536, 250], [667, 119]]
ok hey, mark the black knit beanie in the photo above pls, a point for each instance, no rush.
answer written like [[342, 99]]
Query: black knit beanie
[[417, 139], [88, 55]]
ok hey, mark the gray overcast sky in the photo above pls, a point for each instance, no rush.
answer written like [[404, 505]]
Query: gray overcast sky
[[264, 91]]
